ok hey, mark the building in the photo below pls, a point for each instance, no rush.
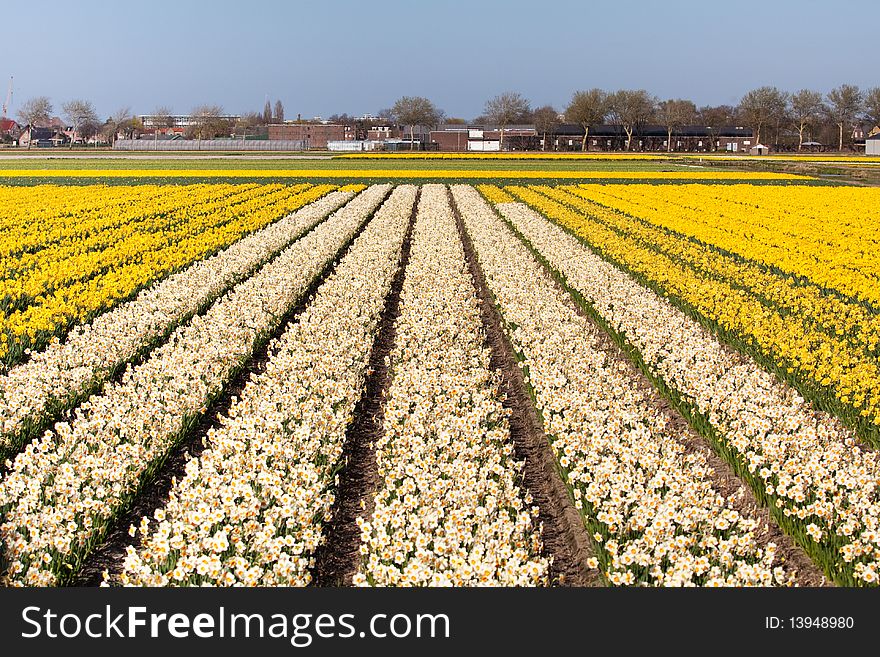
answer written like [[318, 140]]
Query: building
[[179, 121], [9, 130], [353, 145], [32, 136], [872, 145], [569, 136], [483, 138], [316, 134]]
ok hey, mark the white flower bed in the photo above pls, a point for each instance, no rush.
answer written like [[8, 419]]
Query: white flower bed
[[652, 507], [250, 509], [449, 510], [65, 488], [63, 372], [810, 465]]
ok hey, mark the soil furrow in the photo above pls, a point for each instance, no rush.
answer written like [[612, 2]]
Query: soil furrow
[[154, 492], [337, 559], [723, 477], [565, 538]]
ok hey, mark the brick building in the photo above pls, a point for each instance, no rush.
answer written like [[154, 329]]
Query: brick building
[[482, 138], [317, 134]]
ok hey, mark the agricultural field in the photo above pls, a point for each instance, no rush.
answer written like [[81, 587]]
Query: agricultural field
[[458, 373]]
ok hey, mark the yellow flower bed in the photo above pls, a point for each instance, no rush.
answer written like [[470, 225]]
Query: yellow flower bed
[[458, 174], [827, 235], [820, 362], [98, 254], [802, 300], [495, 194]]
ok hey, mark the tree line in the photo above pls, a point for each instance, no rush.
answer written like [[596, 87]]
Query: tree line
[[207, 121], [770, 112], [766, 110]]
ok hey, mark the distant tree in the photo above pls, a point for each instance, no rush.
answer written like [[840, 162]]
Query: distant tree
[[412, 111], [545, 119], [279, 112], [504, 109], [77, 113], [872, 106], [587, 108], [632, 109], [715, 117], [385, 113], [267, 112], [676, 113], [131, 126], [454, 120], [208, 122], [89, 129], [162, 118], [35, 111], [762, 107], [806, 110], [844, 106], [121, 121]]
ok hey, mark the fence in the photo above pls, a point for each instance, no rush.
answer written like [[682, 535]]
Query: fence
[[211, 145]]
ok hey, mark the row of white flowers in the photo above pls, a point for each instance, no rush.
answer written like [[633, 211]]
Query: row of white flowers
[[651, 505], [250, 509], [63, 372], [449, 510], [65, 488], [810, 466]]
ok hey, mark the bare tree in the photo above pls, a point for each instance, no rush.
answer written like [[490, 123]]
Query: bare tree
[[715, 117], [844, 105], [632, 109], [267, 112], [761, 107], [208, 122], [89, 129], [872, 106], [807, 109], [504, 109], [78, 112], [587, 108], [676, 113], [545, 119], [279, 112], [162, 118], [34, 111], [412, 111]]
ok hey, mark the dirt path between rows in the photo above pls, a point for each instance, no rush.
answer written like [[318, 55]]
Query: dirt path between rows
[[566, 541], [723, 477], [337, 560], [110, 554]]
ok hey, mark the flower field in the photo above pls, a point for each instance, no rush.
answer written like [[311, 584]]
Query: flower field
[[188, 371]]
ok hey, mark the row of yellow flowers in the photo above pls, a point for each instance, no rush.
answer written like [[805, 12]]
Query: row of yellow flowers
[[166, 217], [205, 227], [827, 235], [821, 364], [358, 174], [805, 301], [51, 213]]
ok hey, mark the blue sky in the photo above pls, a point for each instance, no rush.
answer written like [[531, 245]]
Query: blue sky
[[357, 57]]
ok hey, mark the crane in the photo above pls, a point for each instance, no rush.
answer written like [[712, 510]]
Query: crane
[[8, 101]]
